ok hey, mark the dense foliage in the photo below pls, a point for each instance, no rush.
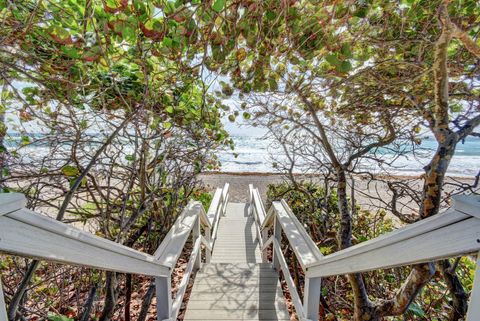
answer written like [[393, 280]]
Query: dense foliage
[[110, 108], [322, 215]]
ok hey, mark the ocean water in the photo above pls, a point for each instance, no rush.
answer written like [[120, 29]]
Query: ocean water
[[253, 154]]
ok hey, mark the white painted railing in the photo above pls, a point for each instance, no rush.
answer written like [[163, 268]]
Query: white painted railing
[[280, 218], [171, 248], [29, 234], [453, 233]]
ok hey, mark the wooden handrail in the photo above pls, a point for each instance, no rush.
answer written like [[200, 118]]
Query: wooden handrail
[[216, 210], [26, 233], [292, 288], [256, 209], [458, 228], [458, 231], [280, 217], [182, 288], [172, 245]]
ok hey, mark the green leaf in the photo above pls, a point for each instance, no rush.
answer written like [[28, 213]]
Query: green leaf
[[231, 118], [333, 60], [70, 52], [74, 180], [168, 42], [70, 171], [58, 317], [25, 140], [361, 12], [167, 125], [416, 310], [128, 33], [169, 109], [346, 50], [270, 15], [247, 115], [345, 66], [218, 5]]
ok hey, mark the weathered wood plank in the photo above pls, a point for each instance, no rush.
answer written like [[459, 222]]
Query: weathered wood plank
[[468, 204], [245, 296], [236, 314], [177, 303], [311, 299], [250, 281], [473, 313], [172, 245], [435, 222], [29, 234], [456, 239], [249, 319], [305, 249], [10, 202], [3, 307], [164, 298], [272, 303], [214, 206], [292, 289], [257, 206]]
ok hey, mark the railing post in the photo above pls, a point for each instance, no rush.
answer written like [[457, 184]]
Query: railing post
[[208, 237], [264, 239], [473, 312], [196, 233], [164, 298], [277, 233], [311, 298], [251, 205], [3, 308]]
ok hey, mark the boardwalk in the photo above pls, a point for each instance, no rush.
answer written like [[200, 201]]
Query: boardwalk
[[232, 283], [236, 285]]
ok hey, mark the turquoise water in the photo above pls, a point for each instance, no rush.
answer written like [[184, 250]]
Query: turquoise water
[[253, 155]]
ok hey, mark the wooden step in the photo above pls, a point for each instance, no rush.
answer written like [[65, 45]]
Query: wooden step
[[236, 285], [237, 296], [235, 314]]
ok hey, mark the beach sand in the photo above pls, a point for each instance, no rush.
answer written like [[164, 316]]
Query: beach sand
[[369, 194]]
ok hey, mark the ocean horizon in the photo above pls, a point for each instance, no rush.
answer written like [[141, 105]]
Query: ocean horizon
[[252, 154]]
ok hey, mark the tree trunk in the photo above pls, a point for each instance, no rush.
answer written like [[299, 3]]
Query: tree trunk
[[89, 303], [18, 295], [128, 296], [147, 300], [417, 279], [111, 296], [459, 296], [435, 173], [362, 304]]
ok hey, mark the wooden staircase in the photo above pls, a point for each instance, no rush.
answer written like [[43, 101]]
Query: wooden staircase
[[234, 281], [236, 285]]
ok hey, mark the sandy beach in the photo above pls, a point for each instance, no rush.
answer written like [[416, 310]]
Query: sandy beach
[[368, 194]]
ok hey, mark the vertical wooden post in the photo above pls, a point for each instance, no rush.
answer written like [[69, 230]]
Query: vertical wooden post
[[473, 313], [311, 298], [196, 234], [277, 233], [164, 298], [264, 239], [225, 198], [250, 200], [3, 307], [208, 237]]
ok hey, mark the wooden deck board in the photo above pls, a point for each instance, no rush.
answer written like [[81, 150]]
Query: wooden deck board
[[236, 285]]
